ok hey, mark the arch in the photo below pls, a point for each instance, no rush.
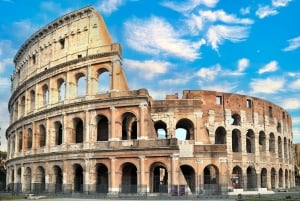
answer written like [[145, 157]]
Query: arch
[[22, 106], [161, 129], [220, 135], [32, 100], [159, 178], [102, 128], [184, 129], [80, 85], [262, 141], [18, 180], [129, 178], [45, 93], [103, 80], [279, 127], [273, 178], [102, 178], [78, 126], [61, 86], [27, 180], [286, 177], [250, 141], [211, 179], [39, 186], [58, 133], [129, 126], [78, 178], [42, 135], [189, 175], [29, 138], [285, 147], [20, 143], [272, 143], [279, 147], [58, 178], [237, 177], [236, 119], [236, 141], [251, 178], [263, 178], [280, 177]]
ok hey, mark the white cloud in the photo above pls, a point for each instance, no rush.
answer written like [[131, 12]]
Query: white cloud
[[243, 63], [268, 86], [109, 6], [209, 73], [175, 81], [265, 11], [218, 33], [156, 36], [280, 3], [291, 103], [294, 43], [187, 6], [4, 63], [222, 87], [148, 68], [245, 11], [295, 84], [270, 67]]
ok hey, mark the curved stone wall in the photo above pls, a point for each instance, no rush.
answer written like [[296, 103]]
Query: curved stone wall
[[77, 127]]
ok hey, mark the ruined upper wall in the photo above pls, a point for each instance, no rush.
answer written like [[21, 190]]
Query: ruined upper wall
[[72, 36]]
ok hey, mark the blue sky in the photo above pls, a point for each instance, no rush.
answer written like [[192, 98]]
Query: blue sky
[[249, 47]]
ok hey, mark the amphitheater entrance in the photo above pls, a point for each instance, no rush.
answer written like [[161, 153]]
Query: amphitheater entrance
[[27, 180], [263, 178], [251, 178], [58, 178], [189, 175], [237, 177], [159, 178], [78, 178], [280, 178], [129, 178], [102, 179], [273, 176], [39, 186], [211, 179]]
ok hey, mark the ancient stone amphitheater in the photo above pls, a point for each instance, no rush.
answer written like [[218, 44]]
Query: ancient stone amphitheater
[[75, 126]]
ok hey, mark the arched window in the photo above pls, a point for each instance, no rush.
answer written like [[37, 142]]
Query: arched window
[[262, 141], [102, 128], [272, 143], [81, 85], [42, 136], [78, 125], [161, 129], [45, 94], [22, 105], [58, 133], [250, 141], [103, 81], [32, 100], [236, 141], [220, 136], [129, 126], [61, 85], [184, 129], [29, 138], [236, 119], [279, 147]]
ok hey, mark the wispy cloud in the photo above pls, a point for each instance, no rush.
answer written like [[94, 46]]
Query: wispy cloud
[[243, 63], [291, 103], [270, 67], [209, 73], [109, 6], [157, 36], [264, 11], [223, 87], [149, 68], [295, 84], [294, 44], [280, 3], [267, 86], [187, 6]]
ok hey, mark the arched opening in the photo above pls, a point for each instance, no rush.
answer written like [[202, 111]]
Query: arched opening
[[211, 179], [29, 138], [161, 129], [42, 135], [189, 175], [236, 141], [220, 136], [102, 179], [279, 127], [129, 126], [78, 178], [27, 180], [81, 85], [273, 177], [20, 143], [129, 178], [22, 106], [18, 180], [250, 141], [103, 81], [251, 178], [262, 141], [159, 178], [184, 130], [236, 119], [286, 177], [32, 100], [263, 178], [45, 91], [272, 143], [39, 186], [285, 147], [58, 133], [61, 85], [237, 177], [78, 125], [58, 178], [280, 178], [279, 147], [102, 128]]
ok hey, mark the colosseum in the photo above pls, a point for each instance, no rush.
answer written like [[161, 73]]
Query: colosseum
[[75, 126]]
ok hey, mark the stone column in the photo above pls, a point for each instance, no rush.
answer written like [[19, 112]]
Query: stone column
[[112, 133], [113, 188], [86, 136], [174, 170], [142, 182], [142, 131]]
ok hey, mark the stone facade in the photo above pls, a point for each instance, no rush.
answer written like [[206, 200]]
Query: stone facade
[[75, 126]]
